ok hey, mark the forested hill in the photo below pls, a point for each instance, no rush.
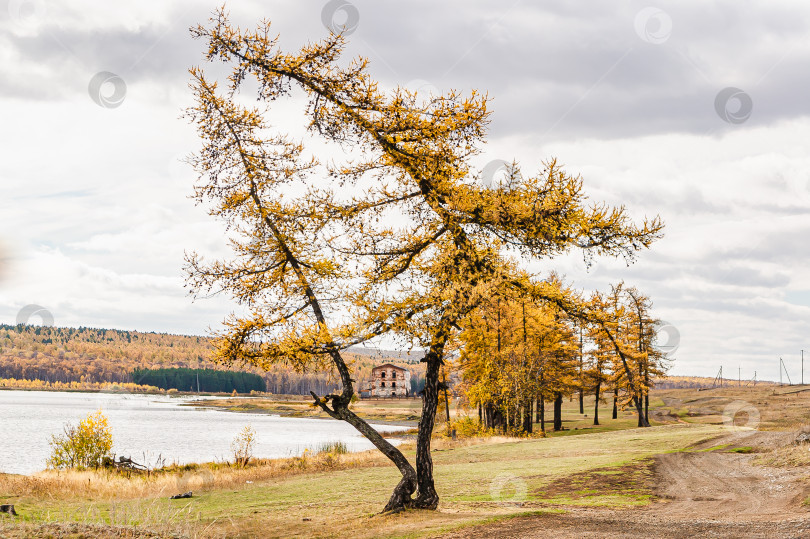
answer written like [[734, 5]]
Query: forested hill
[[53, 354]]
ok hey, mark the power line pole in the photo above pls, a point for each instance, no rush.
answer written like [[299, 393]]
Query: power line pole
[[739, 376], [802, 367], [782, 366]]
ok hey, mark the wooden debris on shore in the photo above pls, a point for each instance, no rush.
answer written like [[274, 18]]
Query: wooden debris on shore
[[124, 464], [181, 496], [802, 438]]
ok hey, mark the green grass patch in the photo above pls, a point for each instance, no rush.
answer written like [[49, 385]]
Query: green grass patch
[[744, 449], [710, 449]]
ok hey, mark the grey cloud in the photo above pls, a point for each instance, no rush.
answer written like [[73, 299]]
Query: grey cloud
[[552, 72]]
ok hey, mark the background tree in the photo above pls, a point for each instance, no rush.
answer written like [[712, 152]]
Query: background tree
[[600, 358]]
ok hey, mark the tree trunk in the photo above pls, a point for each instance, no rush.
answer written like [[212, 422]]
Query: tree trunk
[[427, 497], [537, 410], [527, 417], [596, 404], [581, 401], [498, 421], [446, 400], [401, 497], [558, 399], [639, 403], [616, 402], [647, 393], [542, 414], [647, 407]]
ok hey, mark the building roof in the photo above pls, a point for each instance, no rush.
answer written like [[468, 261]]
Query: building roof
[[388, 366]]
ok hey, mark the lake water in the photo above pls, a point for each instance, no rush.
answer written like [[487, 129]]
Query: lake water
[[148, 426]]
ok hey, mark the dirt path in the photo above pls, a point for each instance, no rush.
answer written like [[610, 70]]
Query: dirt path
[[708, 493]]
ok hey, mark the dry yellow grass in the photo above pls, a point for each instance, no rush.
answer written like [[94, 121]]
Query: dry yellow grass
[[797, 455], [109, 485]]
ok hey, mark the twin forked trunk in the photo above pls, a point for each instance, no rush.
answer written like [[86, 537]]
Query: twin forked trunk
[[401, 497], [427, 497], [418, 481]]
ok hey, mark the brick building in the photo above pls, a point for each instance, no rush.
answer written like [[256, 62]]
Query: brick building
[[388, 381]]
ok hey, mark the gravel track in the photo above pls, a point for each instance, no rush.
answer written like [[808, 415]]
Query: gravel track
[[699, 494]]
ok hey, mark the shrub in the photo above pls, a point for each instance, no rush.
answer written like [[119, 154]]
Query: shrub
[[84, 445], [467, 427], [243, 445]]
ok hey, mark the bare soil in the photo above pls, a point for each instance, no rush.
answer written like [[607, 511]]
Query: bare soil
[[703, 492]]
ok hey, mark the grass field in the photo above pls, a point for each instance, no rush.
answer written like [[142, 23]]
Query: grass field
[[478, 479]]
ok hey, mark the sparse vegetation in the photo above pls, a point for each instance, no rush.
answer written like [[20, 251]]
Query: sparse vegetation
[[334, 448], [243, 446]]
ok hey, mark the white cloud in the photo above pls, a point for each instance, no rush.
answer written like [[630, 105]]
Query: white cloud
[[95, 215]]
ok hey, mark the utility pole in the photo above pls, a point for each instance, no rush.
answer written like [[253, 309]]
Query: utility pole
[[739, 376], [802, 367], [782, 366]]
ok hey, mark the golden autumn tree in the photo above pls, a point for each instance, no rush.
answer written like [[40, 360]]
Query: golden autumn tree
[[651, 362], [601, 357], [394, 238], [624, 330], [499, 362]]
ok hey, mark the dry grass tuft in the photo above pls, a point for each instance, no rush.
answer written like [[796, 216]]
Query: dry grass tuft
[[788, 456]]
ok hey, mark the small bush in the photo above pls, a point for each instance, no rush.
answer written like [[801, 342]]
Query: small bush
[[467, 427], [243, 445], [85, 445]]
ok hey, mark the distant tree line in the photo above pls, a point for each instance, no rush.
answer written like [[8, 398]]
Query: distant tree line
[[81, 356], [206, 380]]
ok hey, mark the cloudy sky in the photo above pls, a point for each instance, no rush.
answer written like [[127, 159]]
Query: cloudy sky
[[698, 111]]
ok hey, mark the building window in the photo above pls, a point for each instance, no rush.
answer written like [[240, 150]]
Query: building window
[[393, 384], [383, 384], [383, 374]]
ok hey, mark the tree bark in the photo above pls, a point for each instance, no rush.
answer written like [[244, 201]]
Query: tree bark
[[537, 410], [527, 416], [639, 404], [427, 498], [542, 414], [647, 392], [616, 402], [647, 407], [558, 399], [596, 404], [401, 497]]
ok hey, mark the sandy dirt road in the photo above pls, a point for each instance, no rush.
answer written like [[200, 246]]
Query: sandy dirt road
[[699, 494]]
